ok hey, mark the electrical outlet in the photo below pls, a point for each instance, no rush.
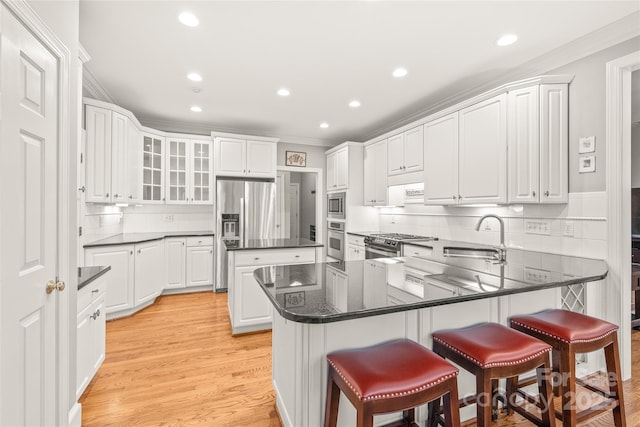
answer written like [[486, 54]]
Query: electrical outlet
[[168, 218], [567, 230], [537, 227], [536, 276]]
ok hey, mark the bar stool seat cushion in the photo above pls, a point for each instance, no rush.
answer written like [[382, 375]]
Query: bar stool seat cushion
[[392, 369], [564, 325], [490, 345]]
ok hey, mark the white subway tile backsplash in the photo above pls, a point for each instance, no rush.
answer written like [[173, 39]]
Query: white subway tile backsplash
[[594, 230], [571, 246], [594, 248], [594, 205]]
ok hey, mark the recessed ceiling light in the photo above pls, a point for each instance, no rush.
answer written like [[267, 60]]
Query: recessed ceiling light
[[507, 39], [196, 109], [324, 125], [399, 72], [354, 104], [283, 92], [194, 77], [188, 19]]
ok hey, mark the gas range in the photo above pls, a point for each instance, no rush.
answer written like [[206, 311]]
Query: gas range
[[390, 242]]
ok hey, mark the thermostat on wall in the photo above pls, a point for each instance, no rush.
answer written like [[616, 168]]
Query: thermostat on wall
[[587, 164]]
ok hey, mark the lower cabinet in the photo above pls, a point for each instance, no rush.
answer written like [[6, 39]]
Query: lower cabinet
[[199, 261], [149, 278], [249, 308], [175, 262], [90, 334], [121, 260], [355, 248], [336, 287]]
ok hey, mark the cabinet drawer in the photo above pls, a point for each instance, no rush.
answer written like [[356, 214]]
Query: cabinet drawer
[[276, 256], [352, 239], [417, 251], [91, 292], [200, 241]]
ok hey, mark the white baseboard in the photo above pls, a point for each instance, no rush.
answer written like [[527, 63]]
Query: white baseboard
[[75, 415]]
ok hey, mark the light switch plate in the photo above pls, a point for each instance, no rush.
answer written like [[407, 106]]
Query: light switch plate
[[567, 229], [587, 144], [537, 227]]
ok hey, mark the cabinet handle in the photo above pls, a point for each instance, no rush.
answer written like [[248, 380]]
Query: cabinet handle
[[95, 290], [244, 171], [533, 194], [249, 171], [131, 253], [297, 256], [98, 312], [546, 193], [454, 197], [182, 243], [139, 251], [163, 199], [256, 258], [459, 196], [131, 196], [106, 195], [115, 195], [416, 253], [83, 189]]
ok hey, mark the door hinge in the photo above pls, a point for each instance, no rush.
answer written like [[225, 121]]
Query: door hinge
[[80, 231], [81, 158]]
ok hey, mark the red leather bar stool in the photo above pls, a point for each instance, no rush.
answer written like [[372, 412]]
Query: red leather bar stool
[[491, 351], [570, 333], [390, 377]]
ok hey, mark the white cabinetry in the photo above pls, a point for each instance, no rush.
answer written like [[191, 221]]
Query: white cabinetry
[[134, 165], [245, 158], [355, 248], [336, 288], [121, 276], [175, 256], [152, 168], [441, 161], [199, 261], [107, 155], [189, 178], [90, 332], [538, 144], [375, 180], [482, 152], [337, 169], [149, 279], [405, 152], [249, 307], [374, 292]]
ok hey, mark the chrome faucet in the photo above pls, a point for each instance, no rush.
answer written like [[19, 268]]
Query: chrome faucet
[[502, 253]]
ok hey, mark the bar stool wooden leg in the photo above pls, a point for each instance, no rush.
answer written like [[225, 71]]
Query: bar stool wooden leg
[[546, 395], [568, 387], [333, 401], [365, 416], [484, 400], [453, 412], [612, 358]]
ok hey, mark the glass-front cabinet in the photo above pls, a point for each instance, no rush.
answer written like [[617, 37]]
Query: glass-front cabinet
[[152, 168], [189, 177]]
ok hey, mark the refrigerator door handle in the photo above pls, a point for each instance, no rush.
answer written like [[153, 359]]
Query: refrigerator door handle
[[242, 220]]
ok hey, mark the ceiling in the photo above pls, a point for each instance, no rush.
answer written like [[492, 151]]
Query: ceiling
[[326, 53]]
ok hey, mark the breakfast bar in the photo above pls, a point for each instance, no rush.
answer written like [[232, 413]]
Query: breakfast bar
[[324, 307]]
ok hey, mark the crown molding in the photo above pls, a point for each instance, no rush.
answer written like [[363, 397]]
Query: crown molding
[[610, 35], [94, 89]]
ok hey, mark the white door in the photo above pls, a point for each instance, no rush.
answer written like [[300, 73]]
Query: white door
[[294, 198], [261, 159], [28, 226]]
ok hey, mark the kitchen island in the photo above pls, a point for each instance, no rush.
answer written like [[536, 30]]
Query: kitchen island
[[330, 306], [249, 308]]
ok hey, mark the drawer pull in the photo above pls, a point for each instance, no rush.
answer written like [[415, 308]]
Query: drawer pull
[[297, 256], [416, 253], [256, 258], [95, 291]]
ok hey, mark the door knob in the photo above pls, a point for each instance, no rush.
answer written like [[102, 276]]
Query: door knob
[[546, 193], [52, 286]]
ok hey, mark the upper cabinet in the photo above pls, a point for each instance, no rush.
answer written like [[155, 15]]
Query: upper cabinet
[[375, 183], [405, 152], [482, 152], [188, 171], [245, 158], [538, 144], [337, 169], [441, 161], [127, 163]]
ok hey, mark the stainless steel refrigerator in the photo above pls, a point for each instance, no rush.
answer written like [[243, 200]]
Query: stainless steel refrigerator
[[245, 211]]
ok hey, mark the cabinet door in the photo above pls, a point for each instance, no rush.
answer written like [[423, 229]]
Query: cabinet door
[[380, 196], [119, 154], [261, 159], [413, 150], [201, 176], [98, 334], [252, 307], [134, 159], [369, 192], [482, 152], [523, 138], [121, 277], [83, 349], [175, 259], [554, 143], [230, 157], [342, 168], [149, 279], [152, 168], [98, 154], [200, 266], [441, 161], [177, 180], [395, 156], [355, 253], [331, 171]]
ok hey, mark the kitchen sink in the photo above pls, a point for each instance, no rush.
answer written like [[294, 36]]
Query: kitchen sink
[[467, 252]]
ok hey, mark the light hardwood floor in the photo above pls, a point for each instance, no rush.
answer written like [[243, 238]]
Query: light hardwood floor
[[176, 363]]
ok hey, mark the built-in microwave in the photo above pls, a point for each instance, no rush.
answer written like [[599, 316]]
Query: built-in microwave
[[336, 205]]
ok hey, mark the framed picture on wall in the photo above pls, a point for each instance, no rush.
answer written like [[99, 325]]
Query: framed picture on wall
[[295, 158]]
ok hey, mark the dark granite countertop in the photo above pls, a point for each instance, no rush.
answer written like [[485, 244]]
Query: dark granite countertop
[[238, 245], [126, 238], [87, 275], [363, 233], [309, 293]]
